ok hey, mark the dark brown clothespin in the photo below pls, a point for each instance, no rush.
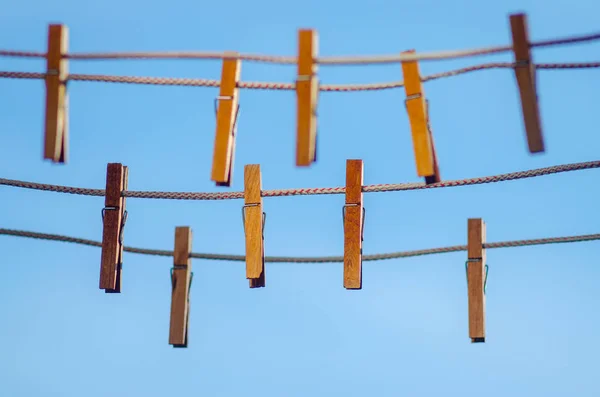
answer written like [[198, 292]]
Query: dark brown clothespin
[[476, 279], [354, 217], [114, 216], [181, 282], [254, 225]]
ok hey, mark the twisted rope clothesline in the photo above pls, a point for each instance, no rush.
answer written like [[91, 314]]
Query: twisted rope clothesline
[[307, 191], [287, 60], [190, 82], [322, 259]]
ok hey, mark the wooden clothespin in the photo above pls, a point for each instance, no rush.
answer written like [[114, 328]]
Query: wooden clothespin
[[227, 109], [418, 115], [56, 130], [526, 80], [476, 279], [254, 225], [181, 281], [354, 220], [307, 93], [114, 216]]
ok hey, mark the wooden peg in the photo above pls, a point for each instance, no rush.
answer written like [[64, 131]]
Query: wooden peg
[[476, 279], [526, 80], [181, 280], [307, 93], [56, 128], [227, 113], [254, 217], [418, 116], [114, 216], [354, 214]]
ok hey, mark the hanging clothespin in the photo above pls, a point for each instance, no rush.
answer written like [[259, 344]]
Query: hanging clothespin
[[114, 216], [418, 115], [227, 109], [526, 80], [254, 218], [56, 136], [307, 93], [181, 282], [476, 279], [353, 214]]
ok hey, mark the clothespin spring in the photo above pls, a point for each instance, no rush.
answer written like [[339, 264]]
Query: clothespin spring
[[123, 220], [486, 272], [183, 267], [237, 110], [244, 217], [362, 226]]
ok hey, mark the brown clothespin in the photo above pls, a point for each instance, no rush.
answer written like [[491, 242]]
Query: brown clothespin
[[353, 214], [254, 218], [526, 80], [307, 93], [227, 109], [114, 216], [418, 115], [56, 130], [477, 271], [181, 282]]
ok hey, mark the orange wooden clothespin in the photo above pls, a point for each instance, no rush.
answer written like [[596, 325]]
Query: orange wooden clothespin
[[254, 225], [114, 216], [56, 130], [476, 279], [181, 281], [307, 93], [227, 109], [354, 220], [526, 80], [418, 116]]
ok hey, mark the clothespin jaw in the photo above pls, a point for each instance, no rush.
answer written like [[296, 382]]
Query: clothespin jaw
[[526, 80], [181, 281], [254, 225], [227, 113], [418, 116], [354, 218], [476, 279], [114, 217], [307, 93], [56, 121]]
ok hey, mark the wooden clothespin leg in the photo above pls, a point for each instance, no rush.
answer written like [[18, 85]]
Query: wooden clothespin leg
[[181, 280], [307, 93], [114, 216], [418, 116], [526, 80], [476, 279], [227, 108], [56, 124], [254, 223], [354, 218]]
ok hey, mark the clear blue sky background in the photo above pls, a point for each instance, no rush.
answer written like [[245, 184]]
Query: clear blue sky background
[[406, 332]]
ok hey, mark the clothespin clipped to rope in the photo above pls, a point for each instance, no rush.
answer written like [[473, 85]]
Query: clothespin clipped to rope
[[227, 109], [353, 214], [181, 282], [56, 135], [526, 80], [307, 93], [418, 115], [114, 217], [253, 219], [476, 279]]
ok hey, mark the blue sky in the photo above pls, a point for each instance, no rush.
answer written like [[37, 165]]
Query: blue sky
[[405, 332]]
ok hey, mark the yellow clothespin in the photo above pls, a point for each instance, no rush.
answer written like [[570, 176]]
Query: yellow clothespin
[[254, 224], [354, 220], [181, 281], [307, 93], [418, 115], [525, 74], [56, 129], [476, 279], [227, 109]]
